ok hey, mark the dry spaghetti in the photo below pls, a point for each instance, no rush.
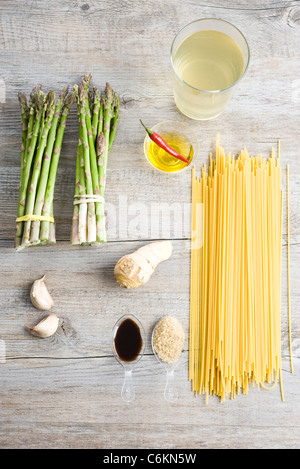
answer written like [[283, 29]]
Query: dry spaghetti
[[235, 297]]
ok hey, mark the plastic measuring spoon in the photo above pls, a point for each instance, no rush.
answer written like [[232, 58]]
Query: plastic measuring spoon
[[170, 393], [128, 392]]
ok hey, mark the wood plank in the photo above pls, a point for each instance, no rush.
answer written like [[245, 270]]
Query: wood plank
[[77, 403], [65, 391]]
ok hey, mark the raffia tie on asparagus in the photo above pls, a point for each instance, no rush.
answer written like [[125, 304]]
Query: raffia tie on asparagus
[[43, 126], [98, 117]]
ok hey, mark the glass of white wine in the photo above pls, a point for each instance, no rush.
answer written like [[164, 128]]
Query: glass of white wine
[[209, 58]]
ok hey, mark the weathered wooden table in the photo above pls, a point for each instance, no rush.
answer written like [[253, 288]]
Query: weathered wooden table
[[64, 392]]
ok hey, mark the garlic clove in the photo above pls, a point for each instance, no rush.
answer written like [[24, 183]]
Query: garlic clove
[[39, 295], [46, 327]]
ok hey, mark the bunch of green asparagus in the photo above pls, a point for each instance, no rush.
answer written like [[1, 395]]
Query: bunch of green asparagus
[[43, 125], [98, 117]]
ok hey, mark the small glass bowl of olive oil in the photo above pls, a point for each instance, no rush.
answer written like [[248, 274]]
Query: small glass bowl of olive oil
[[179, 137]]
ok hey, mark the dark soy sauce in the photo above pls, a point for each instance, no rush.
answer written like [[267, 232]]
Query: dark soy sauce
[[128, 340]]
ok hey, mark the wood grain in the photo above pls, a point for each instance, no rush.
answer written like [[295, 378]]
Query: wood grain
[[64, 392]]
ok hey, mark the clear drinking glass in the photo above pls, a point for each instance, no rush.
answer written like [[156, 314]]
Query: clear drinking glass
[[203, 104]]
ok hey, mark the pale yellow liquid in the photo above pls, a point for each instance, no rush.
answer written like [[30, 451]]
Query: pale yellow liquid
[[209, 60]]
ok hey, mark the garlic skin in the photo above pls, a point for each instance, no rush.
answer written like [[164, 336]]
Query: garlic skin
[[46, 327], [39, 295]]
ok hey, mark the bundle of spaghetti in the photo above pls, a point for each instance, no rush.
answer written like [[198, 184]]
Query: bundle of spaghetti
[[235, 296]]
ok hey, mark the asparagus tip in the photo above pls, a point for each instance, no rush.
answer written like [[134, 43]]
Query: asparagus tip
[[51, 97], [64, 92], [22, 99], [86, 80], [117, 102], [108, 97], [108, 89], [50, 101], [70, 99]]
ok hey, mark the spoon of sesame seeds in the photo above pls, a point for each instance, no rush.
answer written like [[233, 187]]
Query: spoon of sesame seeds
[[167, 344]]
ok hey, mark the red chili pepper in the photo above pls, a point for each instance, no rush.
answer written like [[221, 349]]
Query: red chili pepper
[[163, 144]]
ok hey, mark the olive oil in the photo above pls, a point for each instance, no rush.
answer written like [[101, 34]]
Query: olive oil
[[209, 60], [162, 160]]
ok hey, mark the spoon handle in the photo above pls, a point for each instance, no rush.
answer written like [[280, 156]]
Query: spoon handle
[[128, 393], [171, 393]]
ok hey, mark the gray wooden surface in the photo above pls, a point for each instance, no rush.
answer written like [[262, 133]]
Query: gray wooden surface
[[64, 392]]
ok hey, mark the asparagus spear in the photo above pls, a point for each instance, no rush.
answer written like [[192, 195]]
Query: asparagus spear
[[32, 109], [52, 233], [31, 119], [100, 119], [45, 225], [114, 120], [40, 197], [29, 129], [75, 219], [91, 96], [101, 146], [109, 103], [80, 189], [26, 169], [93, 157], [24, 120], [91, 214], [82, 228], [96, 110], [102, 152], [42, 125]]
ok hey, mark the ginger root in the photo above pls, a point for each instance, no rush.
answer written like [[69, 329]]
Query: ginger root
[[135, 269]]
